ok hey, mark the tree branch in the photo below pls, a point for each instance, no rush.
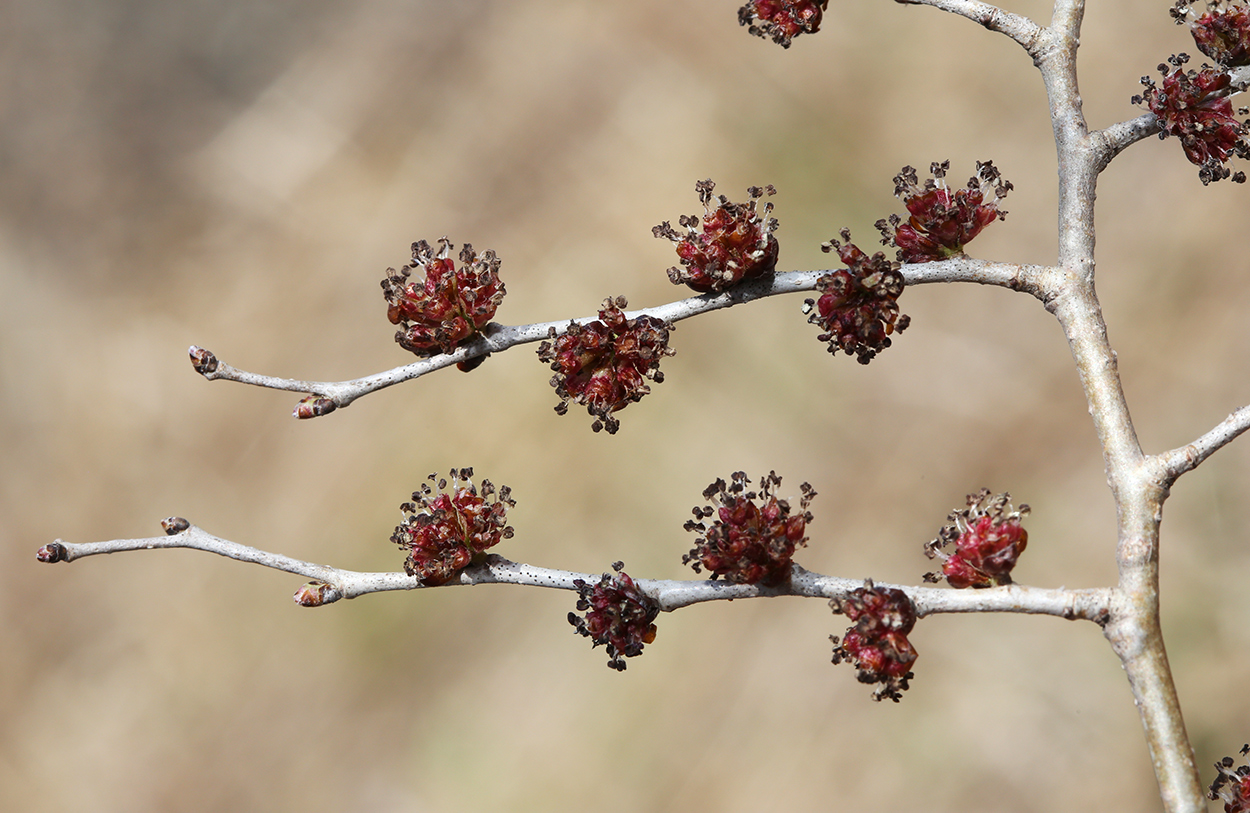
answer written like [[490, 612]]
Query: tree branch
[[326, 396], [331, 584], [1186, 458]]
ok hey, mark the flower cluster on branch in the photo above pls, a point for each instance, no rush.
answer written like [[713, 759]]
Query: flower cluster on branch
[[605, 364], [1232, 785], [942, 222], [617, 615], [448, 529], [731, 243], [988, 539], [858, 305], [748, 542], [443, 308], [782, 20], [877, 642]]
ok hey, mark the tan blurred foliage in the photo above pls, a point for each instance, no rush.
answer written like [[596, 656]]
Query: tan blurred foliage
[[239, 174]]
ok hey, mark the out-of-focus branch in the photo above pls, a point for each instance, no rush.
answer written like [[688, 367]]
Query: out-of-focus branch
[[326, 396], [331, 584]]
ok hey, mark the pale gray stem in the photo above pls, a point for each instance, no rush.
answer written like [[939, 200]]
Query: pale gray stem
[[331, 584]]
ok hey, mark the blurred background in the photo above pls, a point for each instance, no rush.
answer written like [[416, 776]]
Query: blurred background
[[239, 175]]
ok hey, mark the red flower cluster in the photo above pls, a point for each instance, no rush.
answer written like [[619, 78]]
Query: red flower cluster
[[858, 306], [438, 312], [782, 20], [942, 222], [1194, 107], [605, 364], [1232, 787], [1222, 33], [736, 242], [877, 644], [446, 531], [618, 614], [748, 543], [988, 539]]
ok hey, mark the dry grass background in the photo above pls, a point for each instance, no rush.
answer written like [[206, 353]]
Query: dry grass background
[[239, 174]]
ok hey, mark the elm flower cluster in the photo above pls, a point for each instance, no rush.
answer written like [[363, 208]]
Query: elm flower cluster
[[988, 539], [748, 542], [443, 308], [942, 222], [605, 364], [877, 642], [618, 615], [1194, 107], [448, 529], [733, 241], [858, 305], [1232, 787], [1222, 32], [782, 20]]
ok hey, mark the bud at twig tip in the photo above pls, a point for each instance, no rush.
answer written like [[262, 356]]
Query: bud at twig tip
[[53, 552], [204, 362]]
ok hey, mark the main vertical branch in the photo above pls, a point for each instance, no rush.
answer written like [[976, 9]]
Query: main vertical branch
[[1134, 630]]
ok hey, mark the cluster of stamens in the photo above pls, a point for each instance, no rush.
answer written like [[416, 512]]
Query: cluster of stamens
[[732, 242]]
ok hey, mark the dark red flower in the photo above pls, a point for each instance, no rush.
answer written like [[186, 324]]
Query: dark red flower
[[877, 642], [605, 364], [988, 540], [1232, 787], [748, 543], [1222, 33], [1194, 107], [618, 615], [942, 222], [858, 306], [733, 242], [445, 531], [782, 20], [439, 311]]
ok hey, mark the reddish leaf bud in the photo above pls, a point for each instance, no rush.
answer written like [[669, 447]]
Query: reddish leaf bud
[[1193, 106], [52, 552], [445, 307], [617, 614], [314, 406], [445, 531], [605, 364], [782, 20], [748, 542], [733, 242], [202, 360], [877, 642], [942, 222], [1232, 785], [988, 539], [316, 594], [858, 306], [174, 525]]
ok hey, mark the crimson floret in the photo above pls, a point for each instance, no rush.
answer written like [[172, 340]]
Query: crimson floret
[[733, 241], [1232, 786], [988, 538], [445, 307], [782, 20], [942, 222], [447, 530], [858, 306], [748, 542], [605, 364], [1222, 32], [1193, 106], [618, 615], [877, 642]]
